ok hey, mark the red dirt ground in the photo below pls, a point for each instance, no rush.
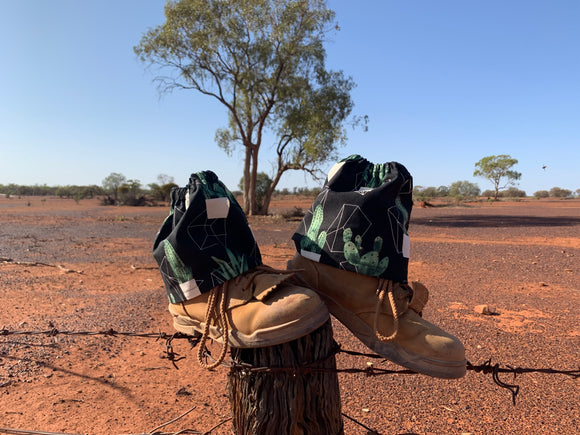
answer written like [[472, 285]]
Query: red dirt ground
[[520, 257]]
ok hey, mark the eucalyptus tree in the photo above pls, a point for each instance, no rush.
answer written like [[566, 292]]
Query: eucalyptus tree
[[498, 169], [264, 61], [111, 184]]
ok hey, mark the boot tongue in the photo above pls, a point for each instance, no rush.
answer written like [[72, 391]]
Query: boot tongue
[[254, 285], [419, 298], [265, 284]]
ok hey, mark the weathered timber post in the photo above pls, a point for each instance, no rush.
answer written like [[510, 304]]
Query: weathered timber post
[[287, 402]]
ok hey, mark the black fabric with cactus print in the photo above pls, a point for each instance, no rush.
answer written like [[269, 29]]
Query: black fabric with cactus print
[[360, 219], [205, 240]]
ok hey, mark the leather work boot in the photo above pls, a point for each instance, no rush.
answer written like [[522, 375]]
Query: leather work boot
[[215, 280], [262, 307], [394, 328]]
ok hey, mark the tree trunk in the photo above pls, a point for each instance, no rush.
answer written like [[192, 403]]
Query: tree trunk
[[246, 180], [253, 178], [270, 193], [287, 402]]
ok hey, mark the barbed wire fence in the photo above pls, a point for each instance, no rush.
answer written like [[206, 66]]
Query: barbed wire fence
[[486, 368]]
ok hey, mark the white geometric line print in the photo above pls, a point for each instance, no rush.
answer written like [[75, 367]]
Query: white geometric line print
[[397, 228], [205, 233], [406, 185], [342, 221], [216, 280], [346, 266], [167, 278]]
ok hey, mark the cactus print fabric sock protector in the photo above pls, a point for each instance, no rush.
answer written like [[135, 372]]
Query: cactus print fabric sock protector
[[206, 239], [359, 221]]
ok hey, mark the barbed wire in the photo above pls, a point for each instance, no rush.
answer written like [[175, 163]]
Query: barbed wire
[[486, 367]]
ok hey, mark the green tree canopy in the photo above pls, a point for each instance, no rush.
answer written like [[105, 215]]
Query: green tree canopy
[[558, 192], [498, 169], [264, 61], [463, 189], [263, 183], [111, 185]]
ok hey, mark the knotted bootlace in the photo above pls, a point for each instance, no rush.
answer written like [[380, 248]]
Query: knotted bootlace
[[217, 299], [217, 303], [385, 287]]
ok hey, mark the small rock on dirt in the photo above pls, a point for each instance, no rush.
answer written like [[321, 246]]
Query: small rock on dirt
[[485, 309]]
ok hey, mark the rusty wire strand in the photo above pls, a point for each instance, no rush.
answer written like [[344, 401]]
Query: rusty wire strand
[[155, 431], [370, 370], [486, 368], [369, 430], [6, 430]]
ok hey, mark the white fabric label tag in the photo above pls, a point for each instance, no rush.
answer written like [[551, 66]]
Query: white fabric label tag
[[217, 208], [190, 289], [406, 246], [310, 255]]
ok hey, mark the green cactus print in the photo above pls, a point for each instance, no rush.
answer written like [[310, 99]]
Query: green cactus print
[[233, 267], [375, 175], [215, 190], [182, 272], [369, 263], [313, 241]]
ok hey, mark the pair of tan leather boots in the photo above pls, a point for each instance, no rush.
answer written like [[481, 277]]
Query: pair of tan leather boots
[[265, 307], [244, 304]]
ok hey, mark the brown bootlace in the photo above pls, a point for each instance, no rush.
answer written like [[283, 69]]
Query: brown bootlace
[[217, 302], [217, 294], [386, 287]]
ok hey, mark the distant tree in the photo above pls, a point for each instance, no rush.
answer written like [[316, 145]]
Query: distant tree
[[430, 192], [131, 193], [463, 189], [11, 189], [90, 191], [557, 192], [424, 193], [513, 192], [263, 182], [111, 185], [497, 169], [64, 192], [315, 191], [542, 194], [443, 191], [264, 61], [165, 179], [163, 192], [155, 191], [417, 190]]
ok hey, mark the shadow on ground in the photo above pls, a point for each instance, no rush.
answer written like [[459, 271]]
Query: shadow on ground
[[496, 221]]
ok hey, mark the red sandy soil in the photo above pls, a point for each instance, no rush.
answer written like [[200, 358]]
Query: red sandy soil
[[85, 267]]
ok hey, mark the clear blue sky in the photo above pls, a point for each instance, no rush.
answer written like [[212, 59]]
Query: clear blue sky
[[444, 83]]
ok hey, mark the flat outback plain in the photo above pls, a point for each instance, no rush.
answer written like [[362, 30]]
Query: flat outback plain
[[68, 266]]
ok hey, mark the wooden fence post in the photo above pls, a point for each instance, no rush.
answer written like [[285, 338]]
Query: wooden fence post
[[286, 402]]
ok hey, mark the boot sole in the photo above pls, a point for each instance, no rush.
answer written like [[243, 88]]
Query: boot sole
[[272, 336], [393, 351]]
